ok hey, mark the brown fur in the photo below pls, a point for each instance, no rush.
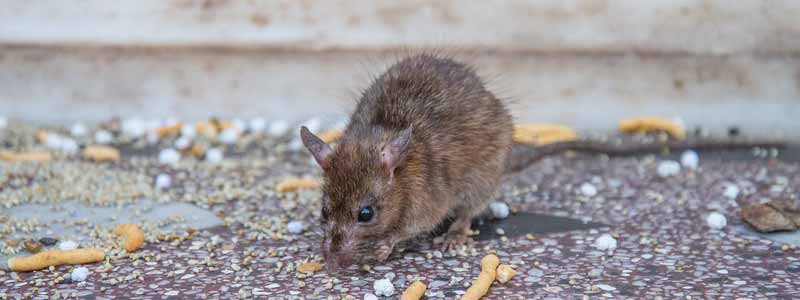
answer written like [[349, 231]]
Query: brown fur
[[460, 139]]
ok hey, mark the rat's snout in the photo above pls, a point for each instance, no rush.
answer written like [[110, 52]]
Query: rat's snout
[[338, 250]]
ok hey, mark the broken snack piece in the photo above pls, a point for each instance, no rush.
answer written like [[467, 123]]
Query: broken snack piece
[[505, 273], [55, 257], [414, 291], [168, 130], [100, 153], [40, 136], [542, 134], [132, 236], [649, 124], [25, 156], [293, 184], [206, 129], [331, 136], [309, 267], [481, 284]]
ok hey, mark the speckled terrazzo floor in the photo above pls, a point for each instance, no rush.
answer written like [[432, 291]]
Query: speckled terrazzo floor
[[666, 250]]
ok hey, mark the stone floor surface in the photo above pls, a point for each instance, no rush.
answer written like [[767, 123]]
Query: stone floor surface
[[219, 230]]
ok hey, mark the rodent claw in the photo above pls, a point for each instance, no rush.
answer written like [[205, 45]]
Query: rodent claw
[[453, 241], [383, 253]]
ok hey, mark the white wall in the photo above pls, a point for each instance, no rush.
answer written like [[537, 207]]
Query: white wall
[[583, 63], [699, 26]]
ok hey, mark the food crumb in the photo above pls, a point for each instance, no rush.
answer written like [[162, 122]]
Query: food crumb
[[78, 130], [295, 227], [668, 168], [606, 287], [188, 131], [731, 191], [690, 159], [499, 210], [133, 127], [103, 137], [605, 242], [101, 153], [716, 220], [588, 189], [309, 267], [292, 184], [229, 136], [169, 157], [79, 274], [183, 142], [67, 245], [370, 296], [214, 155], [505, 273], [257, 124], [163, 181], [278, 128], [383, 287]]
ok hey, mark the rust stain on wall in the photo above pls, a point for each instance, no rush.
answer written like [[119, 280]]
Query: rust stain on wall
[[593, 7], [259, 20], [395, 16], [204, 4]]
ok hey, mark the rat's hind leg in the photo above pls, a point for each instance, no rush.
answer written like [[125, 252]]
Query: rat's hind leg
[[478, 190]]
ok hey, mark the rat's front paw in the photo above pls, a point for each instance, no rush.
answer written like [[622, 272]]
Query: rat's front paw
[[454, 240], [383, 252]]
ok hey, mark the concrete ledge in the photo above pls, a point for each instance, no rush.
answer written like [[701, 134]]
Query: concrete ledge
[[759, 93], [654, 26]]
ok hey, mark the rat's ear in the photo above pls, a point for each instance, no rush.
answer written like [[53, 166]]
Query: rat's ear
[[396, 150], [319, 149]]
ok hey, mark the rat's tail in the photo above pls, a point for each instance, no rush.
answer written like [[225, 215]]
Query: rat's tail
[[522, 156]]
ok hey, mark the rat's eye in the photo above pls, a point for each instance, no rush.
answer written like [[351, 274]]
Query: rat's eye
[[365, 215]]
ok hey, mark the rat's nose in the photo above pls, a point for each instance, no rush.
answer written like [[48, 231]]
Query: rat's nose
[[344, 261]]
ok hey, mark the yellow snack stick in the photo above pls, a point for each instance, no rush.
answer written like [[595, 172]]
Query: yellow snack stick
[[55, 257], [414, 291], [556, 138], [331, 136], [131, 234], [25, 156], [101, 153], [645, 124], [293, 184], [539, 128], [481, 285], [524, 136], [540, 134]]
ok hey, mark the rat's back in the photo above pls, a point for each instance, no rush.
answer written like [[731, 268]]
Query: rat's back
[[444, 101]]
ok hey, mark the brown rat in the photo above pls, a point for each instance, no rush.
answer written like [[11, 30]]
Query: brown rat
[[427, 142]]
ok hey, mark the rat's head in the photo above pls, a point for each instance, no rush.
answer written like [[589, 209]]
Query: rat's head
[[361, 204]]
